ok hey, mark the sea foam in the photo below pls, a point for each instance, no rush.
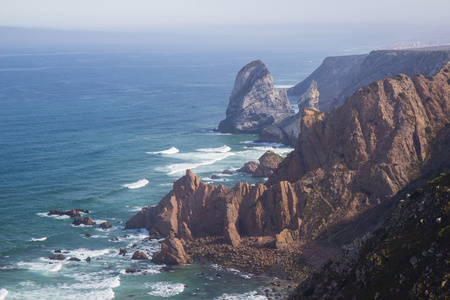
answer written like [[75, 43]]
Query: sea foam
[[3, 294], [38, 239], [137, 184], [166, 289], [172, 150]]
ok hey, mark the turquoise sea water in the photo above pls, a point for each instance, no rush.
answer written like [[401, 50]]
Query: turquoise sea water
[[110, 131]]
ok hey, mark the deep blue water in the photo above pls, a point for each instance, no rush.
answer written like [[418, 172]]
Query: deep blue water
[[86, 130]]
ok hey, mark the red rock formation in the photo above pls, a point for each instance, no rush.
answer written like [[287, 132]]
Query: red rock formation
[[172, 253], [346, 161]]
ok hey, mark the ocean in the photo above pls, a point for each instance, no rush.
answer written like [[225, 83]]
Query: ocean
[[110, 130]]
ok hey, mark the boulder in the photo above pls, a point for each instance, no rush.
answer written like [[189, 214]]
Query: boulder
[[267, 164], [249, 167], [227, 172], [122, 251], [172, 253], [105, 225], [215, 177], [254, 102], [139, 255], [85, 221]]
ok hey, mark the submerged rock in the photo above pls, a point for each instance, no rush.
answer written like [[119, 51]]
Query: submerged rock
[[56, 257], [254, 102], [130, 270]]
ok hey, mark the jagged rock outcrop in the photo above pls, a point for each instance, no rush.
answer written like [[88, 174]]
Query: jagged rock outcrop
[[254, 102], [287, 131], [310, 98], [172, 253], [267, 164], [346, 162], [406, 258], [339, 77]]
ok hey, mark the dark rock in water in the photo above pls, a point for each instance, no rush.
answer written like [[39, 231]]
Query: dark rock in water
[[139, 255], [122, 252], [249, 167], [227, 172], [55, 212], [215, 177], [172, 253], [88, 259], [56, 257], [84, 221], [267, 164], [73, 213], [74, 259], [105, 225], [254, 102], [57, 251], [88, 234], [130, 270]]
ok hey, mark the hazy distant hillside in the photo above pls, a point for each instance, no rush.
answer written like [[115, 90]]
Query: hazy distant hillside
[[339, 77]]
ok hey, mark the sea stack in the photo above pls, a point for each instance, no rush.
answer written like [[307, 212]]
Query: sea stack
[[254, 102]]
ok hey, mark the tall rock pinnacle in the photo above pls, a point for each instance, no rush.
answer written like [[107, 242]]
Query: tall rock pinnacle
[[254, 102]]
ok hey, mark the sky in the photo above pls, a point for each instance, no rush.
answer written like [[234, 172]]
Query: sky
[[240, 21], [166, 15]]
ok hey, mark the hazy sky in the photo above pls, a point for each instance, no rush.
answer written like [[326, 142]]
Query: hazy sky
[[174, 15]]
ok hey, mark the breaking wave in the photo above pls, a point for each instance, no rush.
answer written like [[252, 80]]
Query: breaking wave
[[137, 184], [172, 150], [222, 149]]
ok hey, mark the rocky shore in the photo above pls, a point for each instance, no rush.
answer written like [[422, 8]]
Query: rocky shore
[[337, 185]]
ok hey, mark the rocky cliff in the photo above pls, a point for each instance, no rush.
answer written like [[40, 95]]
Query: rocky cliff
[[346, 162], [254, 102], [339, 77], [287, 131]]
